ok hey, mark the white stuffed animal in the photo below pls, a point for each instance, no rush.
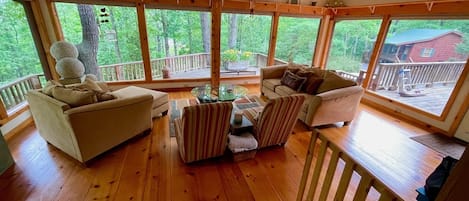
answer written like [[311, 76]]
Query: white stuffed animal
[[70, 69]]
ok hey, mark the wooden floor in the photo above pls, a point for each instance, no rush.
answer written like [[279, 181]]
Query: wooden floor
[[149, 167]]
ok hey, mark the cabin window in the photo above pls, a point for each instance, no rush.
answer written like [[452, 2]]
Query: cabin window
[[113, 31], [427, 52], [417, 76], [296, 39], [350, 48], [179, 43], [20, 66], [244, 43]]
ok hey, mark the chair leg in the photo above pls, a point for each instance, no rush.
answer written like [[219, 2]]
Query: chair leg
[[346, 123], [164, 113]]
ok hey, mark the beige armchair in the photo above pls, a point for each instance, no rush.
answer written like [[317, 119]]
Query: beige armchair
[[274, 124], [202, 132], [86, 131]]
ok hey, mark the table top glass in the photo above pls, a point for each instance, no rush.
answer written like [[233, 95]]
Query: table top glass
[[226, 92]]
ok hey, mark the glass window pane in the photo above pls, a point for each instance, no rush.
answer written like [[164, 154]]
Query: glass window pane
[[296, 39], [19, 60], [18, 55], [244, 43], [118, 49], [351, 43], [421, 61], [179, 43]]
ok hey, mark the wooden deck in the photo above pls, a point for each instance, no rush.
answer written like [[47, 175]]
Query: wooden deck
[[434, 100], [206, 72], [149, 167]]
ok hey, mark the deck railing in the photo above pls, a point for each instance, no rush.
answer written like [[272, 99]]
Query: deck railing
[[176, 64], [13, 94], [429, 73], [387, 74]]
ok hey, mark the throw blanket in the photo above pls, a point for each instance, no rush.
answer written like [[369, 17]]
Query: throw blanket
[[243, 142]]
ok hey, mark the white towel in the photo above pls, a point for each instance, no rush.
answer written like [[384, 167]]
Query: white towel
[[243, 142]]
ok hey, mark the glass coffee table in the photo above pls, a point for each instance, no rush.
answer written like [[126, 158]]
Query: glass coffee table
[[226, 92]]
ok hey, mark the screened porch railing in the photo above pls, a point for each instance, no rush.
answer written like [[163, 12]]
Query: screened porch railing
[[13, 94], [177, 64]]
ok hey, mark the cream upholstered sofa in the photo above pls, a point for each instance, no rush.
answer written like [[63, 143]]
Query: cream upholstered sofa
[[332, 99], [85, 131]]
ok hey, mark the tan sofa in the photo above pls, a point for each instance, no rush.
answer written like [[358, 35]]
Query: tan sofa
[[86, 131], [337, 102]]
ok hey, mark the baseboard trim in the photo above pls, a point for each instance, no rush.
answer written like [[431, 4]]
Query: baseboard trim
[[19, 128]]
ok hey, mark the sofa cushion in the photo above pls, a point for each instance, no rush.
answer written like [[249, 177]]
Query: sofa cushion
[[74, 97], [292, 80], [283, 90], [271, 83], [334, 81], [51, 84]]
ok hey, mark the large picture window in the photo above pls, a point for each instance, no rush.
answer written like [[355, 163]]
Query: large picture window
[[421, 61], [244, 43], [296, 39], [19, 62], [179, 43], [115, 29], [350, 49]]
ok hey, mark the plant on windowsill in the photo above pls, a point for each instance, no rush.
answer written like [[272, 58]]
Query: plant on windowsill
[[235, 60]]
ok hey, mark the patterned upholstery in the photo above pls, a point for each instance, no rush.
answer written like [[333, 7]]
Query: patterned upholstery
[[274, 124], [202, 131]]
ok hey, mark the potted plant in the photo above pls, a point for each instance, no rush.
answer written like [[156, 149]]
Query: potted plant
[[235, 59]]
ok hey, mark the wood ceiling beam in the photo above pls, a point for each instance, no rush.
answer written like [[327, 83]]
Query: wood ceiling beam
[[446, 8]]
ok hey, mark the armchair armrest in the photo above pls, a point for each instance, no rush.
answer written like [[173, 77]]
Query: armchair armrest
[[111, 104], [334, 106]]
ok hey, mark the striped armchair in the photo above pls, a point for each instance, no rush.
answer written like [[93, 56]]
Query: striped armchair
[[202, 131], [273, 125]]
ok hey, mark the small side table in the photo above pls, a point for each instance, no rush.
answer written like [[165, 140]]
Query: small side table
[[238, 128]]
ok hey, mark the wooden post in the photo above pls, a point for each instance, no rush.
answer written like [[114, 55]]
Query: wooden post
[[142, 28], [215, 43], [273, 39], [383, 30], [42, 13], [323, 41]]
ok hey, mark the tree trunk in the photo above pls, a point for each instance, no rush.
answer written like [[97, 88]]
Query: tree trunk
[[189, 33], [175, 48], [88, 48], [205, 31], [164, 23], [116, 42], [233, 31], [159, 46]]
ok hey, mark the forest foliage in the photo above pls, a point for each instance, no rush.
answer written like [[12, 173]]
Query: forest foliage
[[173, 33]]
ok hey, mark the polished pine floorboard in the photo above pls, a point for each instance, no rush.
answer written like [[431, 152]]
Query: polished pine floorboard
[[149, 167]]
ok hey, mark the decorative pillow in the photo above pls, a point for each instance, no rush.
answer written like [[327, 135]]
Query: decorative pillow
[[105, 96], [293, 81], [294, 68], [304, 73], [87, 84], [51, 84], [334, 81], [312, 84], [74, 97]]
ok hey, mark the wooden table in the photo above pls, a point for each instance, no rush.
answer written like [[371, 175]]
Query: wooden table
[[238, 128]]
